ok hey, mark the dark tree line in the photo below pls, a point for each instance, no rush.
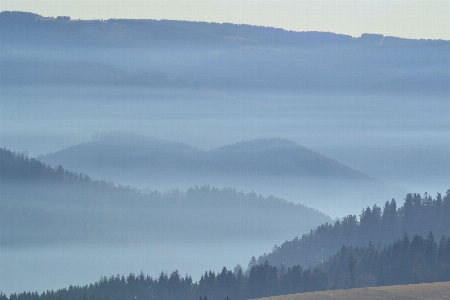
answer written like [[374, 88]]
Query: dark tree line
[[144, 32], [18, 167], [264, 280], [405, 261], [418, 215]]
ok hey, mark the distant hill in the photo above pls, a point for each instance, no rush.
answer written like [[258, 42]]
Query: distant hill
[[20, 26], [222, 56], [263, 157], [269, 166], [127, 152], [41, 205], [16, 26], [278, 158]]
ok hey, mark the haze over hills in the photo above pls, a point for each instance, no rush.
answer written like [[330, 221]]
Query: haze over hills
[[193, 54], [266, 157], [361, 101], [44, 205], [270, 166], [378, 105], [60, 218]]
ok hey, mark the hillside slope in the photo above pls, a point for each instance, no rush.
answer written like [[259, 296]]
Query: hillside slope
[[44, 205], [429, 291], [379, 226]]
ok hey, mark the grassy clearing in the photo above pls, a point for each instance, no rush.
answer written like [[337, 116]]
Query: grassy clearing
[[428, 291]]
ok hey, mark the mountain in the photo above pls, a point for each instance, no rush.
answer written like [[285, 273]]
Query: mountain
[[218, 56], [127, 152], [277, 158], [42, 205], [264, 157], [358, 100], [270, 166]]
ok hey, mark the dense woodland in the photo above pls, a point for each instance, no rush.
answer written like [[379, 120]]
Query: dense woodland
[[416, 260], [18, 166], [380, 226]]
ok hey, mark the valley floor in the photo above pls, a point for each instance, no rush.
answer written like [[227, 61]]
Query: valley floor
[[429, 291]]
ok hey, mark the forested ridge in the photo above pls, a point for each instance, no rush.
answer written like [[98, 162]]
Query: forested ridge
[[18, 166], [169, 53], [418, 215], [146, 32], [46, 205], [405, 261]]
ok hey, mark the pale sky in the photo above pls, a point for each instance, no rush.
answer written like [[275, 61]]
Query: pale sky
[[403, 18]]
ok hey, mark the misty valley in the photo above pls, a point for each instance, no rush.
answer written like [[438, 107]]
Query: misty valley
[[184, 160]]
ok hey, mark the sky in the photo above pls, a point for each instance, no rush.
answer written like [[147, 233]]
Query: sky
[[402, 18]]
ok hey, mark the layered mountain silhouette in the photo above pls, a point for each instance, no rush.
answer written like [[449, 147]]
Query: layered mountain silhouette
[[263, 157], [270, 166], [194, 54], [42, 205]]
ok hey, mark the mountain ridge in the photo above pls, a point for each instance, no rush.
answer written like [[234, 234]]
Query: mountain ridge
[[189, 54], [271, 145], [218, 31], [255, 154], [44, 205], [279, 167]]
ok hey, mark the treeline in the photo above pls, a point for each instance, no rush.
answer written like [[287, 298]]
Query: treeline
[[18, 166], [144, 32], [406, 261], [418, 215]]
